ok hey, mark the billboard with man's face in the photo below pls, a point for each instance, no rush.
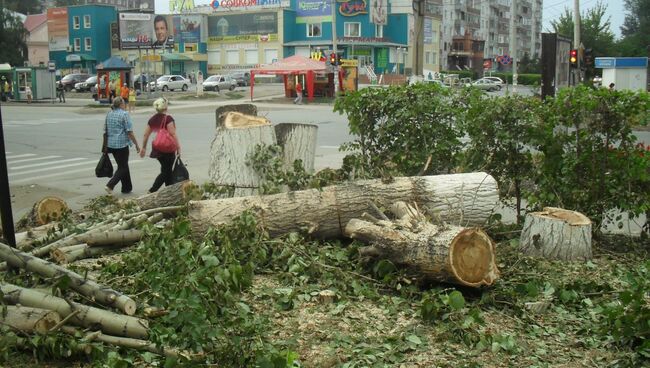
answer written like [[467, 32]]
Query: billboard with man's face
[[145, 31]]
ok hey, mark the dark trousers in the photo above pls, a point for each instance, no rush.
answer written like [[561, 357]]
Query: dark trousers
[[166, 166], [122, 173], [61, 95]]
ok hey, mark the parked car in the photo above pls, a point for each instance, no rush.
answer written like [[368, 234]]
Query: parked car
[[70, 80], [498, 81], [219, 82], [243, 78], [86, 85], [170, 83], [485, 85], [598, 81]]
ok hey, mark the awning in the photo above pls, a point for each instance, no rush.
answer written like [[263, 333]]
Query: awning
[[5, 67], [175, 57], [79, 57]]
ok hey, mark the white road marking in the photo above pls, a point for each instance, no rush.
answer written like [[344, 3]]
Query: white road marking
[[89, 170], [337, 147], [23, 155], [48, 168], [32, 159], [45, 163]]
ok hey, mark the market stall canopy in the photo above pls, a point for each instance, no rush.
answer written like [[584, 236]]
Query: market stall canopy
[[114, 63], [292, 65]]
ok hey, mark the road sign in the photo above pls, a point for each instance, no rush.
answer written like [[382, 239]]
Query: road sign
[[51, 66]]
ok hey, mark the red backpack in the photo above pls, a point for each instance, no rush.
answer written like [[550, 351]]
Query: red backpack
[[164, 142]]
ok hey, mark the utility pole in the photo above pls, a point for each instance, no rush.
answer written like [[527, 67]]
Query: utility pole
[[418, 39], [576, 41], [513, 43], [335, 47]]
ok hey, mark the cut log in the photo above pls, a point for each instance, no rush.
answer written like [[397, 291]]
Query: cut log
[[246, 109], [123, 342], [233, 143], [460, 199], [464, 256], [89, 317], [172, 195], [298, 142], [43, 212], [86, 287], [29, 320], [83, 251], [556, 233]]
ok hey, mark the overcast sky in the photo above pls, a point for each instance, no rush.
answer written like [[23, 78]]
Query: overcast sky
[[615, 10]]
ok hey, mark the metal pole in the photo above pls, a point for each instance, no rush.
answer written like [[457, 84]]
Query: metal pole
[[5, 195], [576, 40], [513, 43], [335, 47]]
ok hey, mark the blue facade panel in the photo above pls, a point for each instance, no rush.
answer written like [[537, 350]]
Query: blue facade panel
[[622, 62], [98, 31]]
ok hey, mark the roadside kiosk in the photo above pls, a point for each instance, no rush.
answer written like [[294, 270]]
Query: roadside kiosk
[[627, 73], [38, 78], [113, 69]]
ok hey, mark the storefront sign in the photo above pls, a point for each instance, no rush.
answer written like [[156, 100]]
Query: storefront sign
[[244, 4], [381, 61], [73, 57], [243, 38], [350, 8], [313, 8], [152, 57], [362, 39]]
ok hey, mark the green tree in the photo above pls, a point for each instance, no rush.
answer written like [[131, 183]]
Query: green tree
[[24, 6], [13, 49], [595, 29], [68, 2], [636, 28]]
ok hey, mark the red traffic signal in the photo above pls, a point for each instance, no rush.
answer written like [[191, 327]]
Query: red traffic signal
[[573, 58], [333, 58]]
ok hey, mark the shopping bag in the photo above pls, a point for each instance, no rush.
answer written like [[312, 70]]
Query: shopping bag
[[179, 172], [104, 167]]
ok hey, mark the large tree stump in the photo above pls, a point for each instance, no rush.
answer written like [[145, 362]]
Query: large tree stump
[[298, 142], [556, 233], [172, 195], [459, 199], [464, 256], [85, 316], [29, 320], [246, 109], [234, 141], [44, 211]]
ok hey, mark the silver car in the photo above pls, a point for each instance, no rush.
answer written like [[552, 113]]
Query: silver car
[[219, 82], [170, 83], [485, 85]]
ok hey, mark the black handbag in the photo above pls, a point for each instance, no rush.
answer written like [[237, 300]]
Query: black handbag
[[104, 167], [179, 173]]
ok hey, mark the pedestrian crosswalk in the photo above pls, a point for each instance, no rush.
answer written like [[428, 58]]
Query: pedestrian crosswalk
[[25, 168]]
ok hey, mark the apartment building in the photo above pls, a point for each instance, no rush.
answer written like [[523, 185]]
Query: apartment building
[[477, 30]]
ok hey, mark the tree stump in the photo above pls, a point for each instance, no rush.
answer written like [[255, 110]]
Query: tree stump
[[298, 142], [556, 233], [460, 199], [234, 141], [246, 109], [172, 195], [464, 256], [46, 210]]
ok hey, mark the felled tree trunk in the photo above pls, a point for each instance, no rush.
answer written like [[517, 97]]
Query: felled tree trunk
[[124, 342], [44, 211], [464, 256], [172, 195], [298, 142], [89, 317], [556, 233], [233, 143], [89, 288], [29, 320], [246, 109], [82, 251], [459, 199]]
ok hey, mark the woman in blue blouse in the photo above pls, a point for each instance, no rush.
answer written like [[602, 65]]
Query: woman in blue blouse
[[119, 129]]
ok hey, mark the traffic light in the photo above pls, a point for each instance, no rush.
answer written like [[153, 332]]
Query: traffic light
[[338, 59], [588, 57], [573, 58], [333, 58]]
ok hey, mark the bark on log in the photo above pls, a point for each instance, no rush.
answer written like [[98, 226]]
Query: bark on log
[[29, 320], [246, 109], [230, 149], [89, 317], [556, 233], [117, 238], [464, 256], [46, 210], [89, 288], [298, 142], [460, 199], [172, 195], [83, 251], [126, 342]]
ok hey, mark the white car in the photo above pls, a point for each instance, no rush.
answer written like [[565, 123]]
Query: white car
[[219, 82], [485, 85], [170, 83], [498, 81]]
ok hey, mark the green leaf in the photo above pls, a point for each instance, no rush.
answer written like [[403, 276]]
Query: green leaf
[[414, 339], [456, 300]]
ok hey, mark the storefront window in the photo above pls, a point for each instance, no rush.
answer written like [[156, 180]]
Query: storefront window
[[379, 31], [313, 30]]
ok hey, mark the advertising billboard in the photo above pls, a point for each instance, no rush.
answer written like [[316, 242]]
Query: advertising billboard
[[379, 12], [57, 27], [187, 28], [145, 31], [262, 27], [313, 11]]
